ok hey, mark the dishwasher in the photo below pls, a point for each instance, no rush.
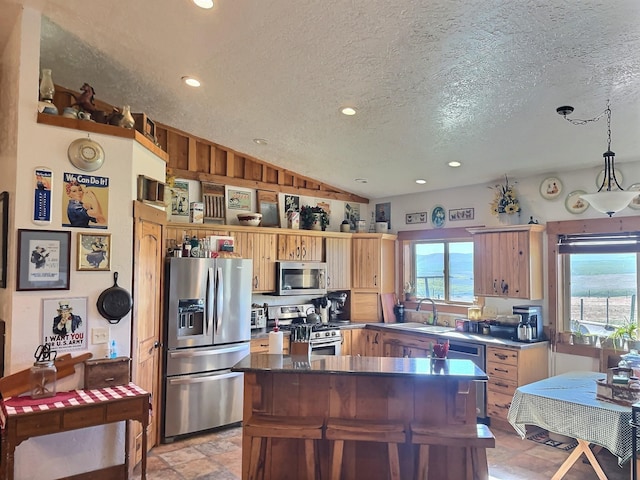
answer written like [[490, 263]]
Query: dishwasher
[[476, 353]]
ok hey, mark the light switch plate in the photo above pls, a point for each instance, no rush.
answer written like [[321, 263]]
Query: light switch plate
[[99, 335]]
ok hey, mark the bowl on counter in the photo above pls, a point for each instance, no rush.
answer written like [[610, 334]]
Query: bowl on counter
[[249, 219]]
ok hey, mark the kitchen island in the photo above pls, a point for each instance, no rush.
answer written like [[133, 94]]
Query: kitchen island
[[438, 393]]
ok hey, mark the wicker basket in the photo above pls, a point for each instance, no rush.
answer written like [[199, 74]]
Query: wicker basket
[[622, 394]]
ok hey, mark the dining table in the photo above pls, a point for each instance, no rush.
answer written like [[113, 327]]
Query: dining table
[[567, 404]]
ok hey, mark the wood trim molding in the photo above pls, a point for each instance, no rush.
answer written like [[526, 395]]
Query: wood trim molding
[[554, 230]]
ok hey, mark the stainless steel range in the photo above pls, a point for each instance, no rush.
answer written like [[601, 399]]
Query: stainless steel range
[[325, 338]]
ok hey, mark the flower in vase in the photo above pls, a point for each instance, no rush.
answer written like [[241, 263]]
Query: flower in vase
[[505, 200]]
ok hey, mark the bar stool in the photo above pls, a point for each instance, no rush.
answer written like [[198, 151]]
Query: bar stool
[[262, 428], [474, 438], [390, 432]]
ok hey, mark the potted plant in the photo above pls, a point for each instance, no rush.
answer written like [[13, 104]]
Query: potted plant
[[581, 335], [313, 218], [624, 332]]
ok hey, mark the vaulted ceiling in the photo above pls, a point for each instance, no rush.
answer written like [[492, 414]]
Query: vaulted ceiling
[[477, 81]]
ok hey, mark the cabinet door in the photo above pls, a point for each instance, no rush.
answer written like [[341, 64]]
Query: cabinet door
[[365, 265], [264, 265], [484, 270], [289, 248], [515, 245], [338, 259], [310, 248], [358, 342], [374, 343], [365, 306], [346, 341]]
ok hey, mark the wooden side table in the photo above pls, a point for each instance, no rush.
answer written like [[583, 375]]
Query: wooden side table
[[22, 417]]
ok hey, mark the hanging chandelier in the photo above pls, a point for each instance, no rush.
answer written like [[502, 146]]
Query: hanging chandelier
[[607, 199]]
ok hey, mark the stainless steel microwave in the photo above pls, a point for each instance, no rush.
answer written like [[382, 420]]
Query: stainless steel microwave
[[301, 278]]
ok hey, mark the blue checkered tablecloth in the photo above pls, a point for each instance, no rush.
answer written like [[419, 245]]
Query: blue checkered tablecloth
[[567, 405]]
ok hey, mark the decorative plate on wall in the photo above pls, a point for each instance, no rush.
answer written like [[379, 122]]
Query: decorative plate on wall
[[574, 203], [85, 154], [551, 188], [600, 179], [635, 203], [438, 216]]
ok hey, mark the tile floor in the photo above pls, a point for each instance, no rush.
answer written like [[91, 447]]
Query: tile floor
[[217, 456]]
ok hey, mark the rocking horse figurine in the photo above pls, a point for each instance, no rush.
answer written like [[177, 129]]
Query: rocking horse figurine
[[85, 99]]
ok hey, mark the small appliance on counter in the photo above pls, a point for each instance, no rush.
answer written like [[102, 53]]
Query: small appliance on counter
[[532, 318], [258, 318], [337, 301]]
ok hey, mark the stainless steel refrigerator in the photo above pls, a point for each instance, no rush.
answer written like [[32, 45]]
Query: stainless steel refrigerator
[[207, 331]]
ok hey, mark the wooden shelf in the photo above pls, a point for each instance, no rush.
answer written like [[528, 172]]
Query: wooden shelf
[[93, 127]]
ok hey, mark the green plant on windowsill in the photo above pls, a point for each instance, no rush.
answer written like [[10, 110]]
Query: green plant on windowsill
[[581, 335], [308, 216], [626, 332]]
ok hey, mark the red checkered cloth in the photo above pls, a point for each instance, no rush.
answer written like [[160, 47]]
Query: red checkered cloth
[[26, 404]]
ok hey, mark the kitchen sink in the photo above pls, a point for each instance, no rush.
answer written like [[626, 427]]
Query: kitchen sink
[[434, 329]]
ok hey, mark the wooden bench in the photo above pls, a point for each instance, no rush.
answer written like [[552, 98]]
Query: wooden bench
[[475, 439], [390, 432], [262, 428]]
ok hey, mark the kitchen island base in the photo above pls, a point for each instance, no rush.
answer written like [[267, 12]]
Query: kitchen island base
[[405, 390]]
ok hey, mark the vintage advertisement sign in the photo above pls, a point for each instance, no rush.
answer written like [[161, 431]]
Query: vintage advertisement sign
[[43, 179], [64, 324], [85, 201]]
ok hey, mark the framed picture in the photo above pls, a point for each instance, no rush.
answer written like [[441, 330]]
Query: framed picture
[[43, 260], [551, 188], [268, 207], [635, 203], [574, 203], [456, 214], [239, 200], [94, 252], [419, 217], [64, 323], [4, 230], [438, 216], [383, 213]]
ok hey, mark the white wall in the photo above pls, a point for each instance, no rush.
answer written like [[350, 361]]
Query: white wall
[[41, 145]]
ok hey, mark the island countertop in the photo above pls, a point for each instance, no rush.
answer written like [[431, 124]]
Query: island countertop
[[374, 366]]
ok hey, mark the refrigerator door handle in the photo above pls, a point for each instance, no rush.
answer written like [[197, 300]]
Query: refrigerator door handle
[[210, 309], [202, 379], [219, 297], [188, 353]]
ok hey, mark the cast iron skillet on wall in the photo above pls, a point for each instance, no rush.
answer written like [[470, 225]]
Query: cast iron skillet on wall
[[114, 302]]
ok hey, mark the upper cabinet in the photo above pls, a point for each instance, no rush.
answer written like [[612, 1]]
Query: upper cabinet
[[300, 248], [338, 258], [507, 261], [372, 274]]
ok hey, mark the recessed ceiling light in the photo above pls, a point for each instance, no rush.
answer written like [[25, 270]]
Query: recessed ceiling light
[[348, 110], [192, 82], [361, 180], [421, 181], [204, 3], [454, 164], [260, 141]]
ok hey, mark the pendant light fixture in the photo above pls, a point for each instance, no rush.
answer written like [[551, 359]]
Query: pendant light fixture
[[605, 200]]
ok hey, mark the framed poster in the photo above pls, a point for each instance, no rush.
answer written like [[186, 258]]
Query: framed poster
[[291, 203], [43, 260], [268, 207], [419, 217], [85, 201], [64, 323], [94, 252], [383, 213], [42, 181], [180, 199], [456, 214], [4, 230], [239, 200]]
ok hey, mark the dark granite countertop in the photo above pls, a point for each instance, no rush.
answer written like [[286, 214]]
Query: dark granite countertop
[[346, 365]]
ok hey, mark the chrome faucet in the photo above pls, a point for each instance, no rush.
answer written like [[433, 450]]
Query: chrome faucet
[[433, 307]]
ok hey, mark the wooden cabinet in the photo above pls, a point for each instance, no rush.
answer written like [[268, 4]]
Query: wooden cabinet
[[261, 345], [261, 247], [300, 248], [507, 261], [346, 341], [338, 259], [406, 345], [364, 342], [372, 273], [510, 368]]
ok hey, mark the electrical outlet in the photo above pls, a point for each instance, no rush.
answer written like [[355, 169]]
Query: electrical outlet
[[99, 335]]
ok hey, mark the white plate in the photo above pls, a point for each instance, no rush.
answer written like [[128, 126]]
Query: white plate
[[574, 203], [551, 188], [86, 154], [614, 187], [635, 203]]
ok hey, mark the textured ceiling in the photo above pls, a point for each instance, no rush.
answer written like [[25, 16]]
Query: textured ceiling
[[476, 81]]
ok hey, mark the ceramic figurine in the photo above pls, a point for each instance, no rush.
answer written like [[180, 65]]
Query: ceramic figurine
[[85, 99]]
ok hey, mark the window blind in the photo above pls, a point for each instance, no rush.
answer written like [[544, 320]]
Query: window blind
[[628, 242]]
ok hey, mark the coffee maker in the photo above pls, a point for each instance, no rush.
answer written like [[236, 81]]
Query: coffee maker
[[337, 301], [531, 316]]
